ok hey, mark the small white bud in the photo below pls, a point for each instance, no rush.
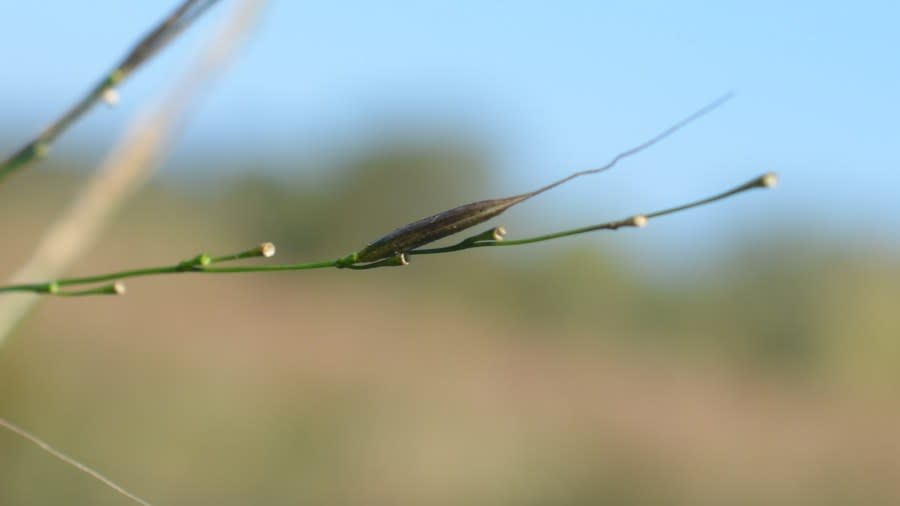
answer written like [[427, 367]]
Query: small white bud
[[639, 221], [110, 96], [41, 149], [267, 249]]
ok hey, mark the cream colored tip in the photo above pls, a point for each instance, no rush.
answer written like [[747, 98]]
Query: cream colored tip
[[639, 221], [770, 180], [119, 288], [267, 249], [404, 259], [41, 149], [110, 96], [499, 233]]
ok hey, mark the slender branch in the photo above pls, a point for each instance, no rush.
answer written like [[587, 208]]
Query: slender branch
[[267, 268], [69, 460], [206, 264], [446, 223], [494, 237], [767, 180], [129, 164], [149, 45], [117, 288], [198, 264]]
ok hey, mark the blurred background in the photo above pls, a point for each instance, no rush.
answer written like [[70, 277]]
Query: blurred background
[[747, 353]]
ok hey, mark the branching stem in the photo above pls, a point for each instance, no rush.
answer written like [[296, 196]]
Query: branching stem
[[206, 264], [494, 237]]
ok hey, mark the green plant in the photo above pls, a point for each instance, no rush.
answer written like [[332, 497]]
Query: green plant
[[105, 89], [395, 248], [392, 249]]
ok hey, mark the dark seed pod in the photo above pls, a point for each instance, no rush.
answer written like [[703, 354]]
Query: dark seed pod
[[440, 225], [437, 226]]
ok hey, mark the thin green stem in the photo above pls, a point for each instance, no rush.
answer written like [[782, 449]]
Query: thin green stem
[[484, 239], [267, 268], [394, 261], [199, 264], [204, 264], [152, 42], [116, 288], [52, 287], [767, 180], [114, 276], [466, 244]]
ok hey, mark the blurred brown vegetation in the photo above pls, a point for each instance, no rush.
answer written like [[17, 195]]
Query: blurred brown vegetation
[[562, 377]]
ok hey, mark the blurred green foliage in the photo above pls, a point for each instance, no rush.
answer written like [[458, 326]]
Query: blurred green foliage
[[563, 376]]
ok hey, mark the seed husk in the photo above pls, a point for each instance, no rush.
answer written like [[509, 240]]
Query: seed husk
[[443, 224]]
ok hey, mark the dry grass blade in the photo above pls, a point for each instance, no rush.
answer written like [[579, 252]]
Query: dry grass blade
[[125, 170], [69, 460]]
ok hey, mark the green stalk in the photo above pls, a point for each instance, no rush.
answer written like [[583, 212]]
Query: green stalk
[[205, 264], [494, 237], [149, 45]]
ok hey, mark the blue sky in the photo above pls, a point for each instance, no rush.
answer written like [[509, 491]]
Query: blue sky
[[545, 88]]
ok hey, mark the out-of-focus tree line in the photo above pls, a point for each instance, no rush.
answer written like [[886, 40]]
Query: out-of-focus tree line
[[777, 310]]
